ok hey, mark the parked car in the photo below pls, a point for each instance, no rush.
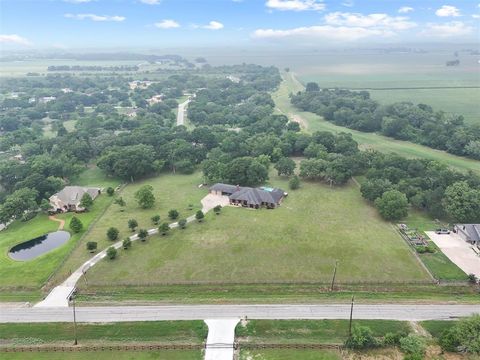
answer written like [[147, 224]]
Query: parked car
[[442, 231]]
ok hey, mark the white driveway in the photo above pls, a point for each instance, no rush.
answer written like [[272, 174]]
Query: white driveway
[[221, 336], [458, 251]]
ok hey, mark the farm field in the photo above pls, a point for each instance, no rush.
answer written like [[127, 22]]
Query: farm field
[[463, 101], [314, 122], [299, 241]]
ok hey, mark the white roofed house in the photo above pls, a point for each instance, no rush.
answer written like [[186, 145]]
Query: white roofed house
[[69, 198]]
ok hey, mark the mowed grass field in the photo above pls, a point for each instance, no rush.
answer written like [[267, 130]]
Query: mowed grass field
[[296, 242], [171, 192], [366, 140]]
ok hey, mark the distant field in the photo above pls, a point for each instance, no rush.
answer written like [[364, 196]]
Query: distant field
[[402, 72], [299, 241], [366, 140], [21, 68], [462, 101]]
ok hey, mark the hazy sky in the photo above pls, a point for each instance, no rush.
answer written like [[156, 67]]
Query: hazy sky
[[171, 23]]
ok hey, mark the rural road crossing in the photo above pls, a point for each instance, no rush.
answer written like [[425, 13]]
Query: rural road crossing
[[403, 312], [220, 339], [181, 112]]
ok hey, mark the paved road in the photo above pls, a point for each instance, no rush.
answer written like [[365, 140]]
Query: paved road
[[181, 112], [200, 312]]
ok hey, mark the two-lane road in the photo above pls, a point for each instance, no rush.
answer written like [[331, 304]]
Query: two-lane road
[[200, 312], [181, 112]]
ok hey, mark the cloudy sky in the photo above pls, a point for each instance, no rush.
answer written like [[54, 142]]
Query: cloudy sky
[[179, 23]]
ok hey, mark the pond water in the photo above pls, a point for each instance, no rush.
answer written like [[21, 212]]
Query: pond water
[[32, 248]]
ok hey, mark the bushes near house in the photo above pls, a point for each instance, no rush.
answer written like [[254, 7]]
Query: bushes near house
[[182, 223], [76, 225], [127, 243], [163, 229], [199, 216]]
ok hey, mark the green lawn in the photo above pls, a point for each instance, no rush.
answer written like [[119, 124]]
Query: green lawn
[[180, 332], [310, 331], [171, 191], [438, 264], [366, 140], [19, 276], [274, 354], [299, 241], [107, 355]]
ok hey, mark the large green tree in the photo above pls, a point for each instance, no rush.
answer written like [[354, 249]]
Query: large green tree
[[462, 202], [17, 204], [145, 197], [392, 205], [285, 166]]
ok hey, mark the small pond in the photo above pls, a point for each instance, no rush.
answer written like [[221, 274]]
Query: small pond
[[32, 248]]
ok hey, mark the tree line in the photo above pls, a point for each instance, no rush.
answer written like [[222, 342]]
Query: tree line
[[402, 120]]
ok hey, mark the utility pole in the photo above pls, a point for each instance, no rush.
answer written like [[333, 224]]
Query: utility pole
[[72, 298], [334, 275], [351, 316]]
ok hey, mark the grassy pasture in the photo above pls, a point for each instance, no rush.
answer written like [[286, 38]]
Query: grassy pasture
[[299, 241], [366, 140]]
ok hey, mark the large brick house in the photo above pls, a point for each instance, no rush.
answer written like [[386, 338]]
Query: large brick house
[[69, 198], [250, 197]]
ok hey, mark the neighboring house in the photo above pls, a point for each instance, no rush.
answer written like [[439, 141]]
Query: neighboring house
[[69, 198], [155, 99], [46, 99], [469, 232], [250, 197]]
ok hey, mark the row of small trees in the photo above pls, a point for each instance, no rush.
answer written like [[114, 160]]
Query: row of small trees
[[163, 229]]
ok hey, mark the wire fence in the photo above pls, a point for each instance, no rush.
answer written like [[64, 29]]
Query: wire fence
[[83, 348]]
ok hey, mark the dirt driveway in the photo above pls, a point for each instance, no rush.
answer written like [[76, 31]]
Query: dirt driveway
[[458, 251]]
